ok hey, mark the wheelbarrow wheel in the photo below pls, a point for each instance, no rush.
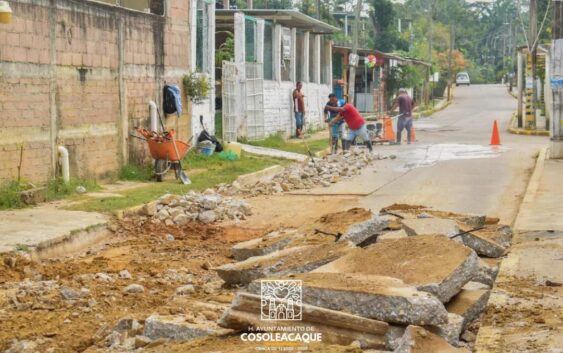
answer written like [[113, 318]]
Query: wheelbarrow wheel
[[160, 166]]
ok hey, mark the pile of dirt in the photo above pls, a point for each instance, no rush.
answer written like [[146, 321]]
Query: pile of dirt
[[415, 260], [79, 298], [306, 175]]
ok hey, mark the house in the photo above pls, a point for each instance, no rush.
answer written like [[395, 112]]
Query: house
[[274, 49], [372, 79], [81, 74]]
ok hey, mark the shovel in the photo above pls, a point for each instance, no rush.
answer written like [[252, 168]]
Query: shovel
[[179, 171]]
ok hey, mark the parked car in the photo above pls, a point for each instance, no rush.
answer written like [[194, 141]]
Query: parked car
[[462, 78]]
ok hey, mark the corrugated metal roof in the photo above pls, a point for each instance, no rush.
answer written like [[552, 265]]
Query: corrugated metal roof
[[288, 18]]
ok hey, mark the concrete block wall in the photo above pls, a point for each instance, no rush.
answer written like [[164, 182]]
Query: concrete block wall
[[278, 106], [81, 74]]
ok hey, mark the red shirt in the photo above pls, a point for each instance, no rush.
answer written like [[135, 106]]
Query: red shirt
[[352, 116]]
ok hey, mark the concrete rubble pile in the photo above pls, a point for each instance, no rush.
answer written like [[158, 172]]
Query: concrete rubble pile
[[207, 207], [306, 175], [416, 280]]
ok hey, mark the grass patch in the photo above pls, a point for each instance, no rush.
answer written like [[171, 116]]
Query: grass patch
[[277, 142], [9, 195], [219, 124], [217, 171], [57, 189], [137, 173]]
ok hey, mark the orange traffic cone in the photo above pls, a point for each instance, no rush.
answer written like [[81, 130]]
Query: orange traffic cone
[[495, 138], [413, 135], [388, 133]]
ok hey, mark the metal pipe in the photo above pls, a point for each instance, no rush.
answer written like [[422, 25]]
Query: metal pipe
[[154, 117]]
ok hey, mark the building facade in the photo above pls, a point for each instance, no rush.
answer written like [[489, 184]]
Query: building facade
[[81, 74]]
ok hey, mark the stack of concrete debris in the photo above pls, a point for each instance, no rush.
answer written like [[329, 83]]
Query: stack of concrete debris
[[207, 207], [407, 279], [320, 172]]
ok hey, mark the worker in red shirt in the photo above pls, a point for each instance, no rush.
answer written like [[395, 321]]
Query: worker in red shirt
[[356, 123]]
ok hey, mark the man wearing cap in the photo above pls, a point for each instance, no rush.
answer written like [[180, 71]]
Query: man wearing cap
[[406, 105], [354, 120]]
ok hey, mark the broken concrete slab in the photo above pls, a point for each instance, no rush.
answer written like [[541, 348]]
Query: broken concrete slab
[[356, 225], [469, 304], [175, 327], [374, 297], [273, 241], [450, 331], [290, 260], [393, 235], [491, 241], [363, 231], [487, 273], [432, 263], [425, 226], [417, 340], [416, 211], [336, 327]]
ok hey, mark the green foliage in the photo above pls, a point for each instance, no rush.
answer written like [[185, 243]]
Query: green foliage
[[298, 146], [226, 51], [134, 172], [9, 195], [196, 87], [384, 19], [58, 189], [205, 172]]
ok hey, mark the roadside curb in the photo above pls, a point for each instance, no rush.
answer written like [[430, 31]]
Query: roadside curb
[[532, 187], [434, 110], [518, 131]]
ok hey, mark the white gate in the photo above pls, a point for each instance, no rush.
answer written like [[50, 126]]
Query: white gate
[[230, 97], [254, 101]]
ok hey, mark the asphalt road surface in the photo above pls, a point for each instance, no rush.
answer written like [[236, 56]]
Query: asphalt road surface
[[452, 166]]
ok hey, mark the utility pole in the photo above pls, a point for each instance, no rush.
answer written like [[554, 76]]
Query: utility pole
[[450, 72], [557, 81], [318, 9], [355, 34], [249, 4], [430, 39], [532, 45]]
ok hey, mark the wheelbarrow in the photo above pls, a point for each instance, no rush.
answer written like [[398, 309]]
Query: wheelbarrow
[[167, 153]]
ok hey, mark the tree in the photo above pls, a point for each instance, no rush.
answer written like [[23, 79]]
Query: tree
[[383, 19]]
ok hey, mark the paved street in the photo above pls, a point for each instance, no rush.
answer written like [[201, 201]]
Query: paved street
[[452, 165]]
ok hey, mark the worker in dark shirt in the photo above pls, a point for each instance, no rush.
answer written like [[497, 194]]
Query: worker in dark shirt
[[406, 105]]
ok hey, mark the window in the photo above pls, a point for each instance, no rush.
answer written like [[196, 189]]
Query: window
[[268, 50], [250, 38], [151, 6]]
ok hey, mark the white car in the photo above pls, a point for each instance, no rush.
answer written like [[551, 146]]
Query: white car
[[462, 78]]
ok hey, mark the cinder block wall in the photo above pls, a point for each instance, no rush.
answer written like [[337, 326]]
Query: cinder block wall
[[278, 106], [80, 74]]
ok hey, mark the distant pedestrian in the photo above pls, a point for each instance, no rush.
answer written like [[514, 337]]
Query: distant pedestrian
[[299, 109], [355, 121], [336, 128], [406, 105]]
